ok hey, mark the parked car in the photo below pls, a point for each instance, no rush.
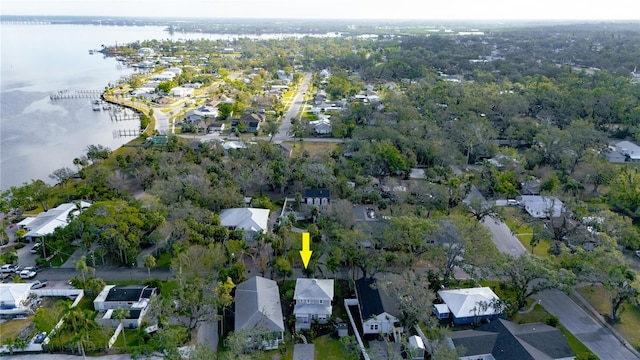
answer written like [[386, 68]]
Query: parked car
[[27, 274], [8, 268], [35, 248], [638, 253], [39, 284], [40, 338]]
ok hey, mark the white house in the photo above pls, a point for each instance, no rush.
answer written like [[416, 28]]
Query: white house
[[378, 311], [46, 222], [14, 298], [542, 206], [467, 306], [123, 296], [629, 150], [251, 220], [145, 51], [313, 299], [257, 306], [182, 91], [322, 126]]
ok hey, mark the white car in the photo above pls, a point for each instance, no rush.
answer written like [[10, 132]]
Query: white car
[[638, 253], [28, 273], [39, 284], [8, 268]]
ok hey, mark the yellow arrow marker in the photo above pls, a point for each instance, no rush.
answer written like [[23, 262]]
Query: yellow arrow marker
[[306, 252]]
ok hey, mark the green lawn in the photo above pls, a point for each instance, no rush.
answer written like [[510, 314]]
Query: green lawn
[[328, 348], [134, 339], [629, 316], [524, 233]]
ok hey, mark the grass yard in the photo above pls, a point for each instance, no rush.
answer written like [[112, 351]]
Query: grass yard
[[11, 328], [524, 233], [328, 348], [629, 316], [313, 148], [539, 314], [134, 339]]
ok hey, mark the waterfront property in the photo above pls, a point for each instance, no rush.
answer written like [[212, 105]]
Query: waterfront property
[[46, 222]]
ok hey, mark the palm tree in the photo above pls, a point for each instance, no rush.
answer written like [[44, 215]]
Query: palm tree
[[121, 314], [81, 265], [149, 262], [78, 323]]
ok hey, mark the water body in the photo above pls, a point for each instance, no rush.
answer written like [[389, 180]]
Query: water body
[[39, 135]]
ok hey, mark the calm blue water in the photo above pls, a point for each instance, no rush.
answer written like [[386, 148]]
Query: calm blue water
[[38, 135]]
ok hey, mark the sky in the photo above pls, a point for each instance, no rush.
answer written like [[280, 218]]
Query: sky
[[336, 9]]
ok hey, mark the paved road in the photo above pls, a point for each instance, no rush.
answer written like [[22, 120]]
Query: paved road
[[506, 242], [584, 327], [592, 333], [285, 125]]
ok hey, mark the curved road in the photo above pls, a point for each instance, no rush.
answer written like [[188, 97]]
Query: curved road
[[593, 334]]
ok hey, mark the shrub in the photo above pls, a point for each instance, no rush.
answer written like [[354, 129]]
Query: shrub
[[552, 321]]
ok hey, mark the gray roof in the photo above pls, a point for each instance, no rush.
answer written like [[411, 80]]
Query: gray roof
[[506, 340], [258, 305], [474, 342], [374, 301], [313, 289]]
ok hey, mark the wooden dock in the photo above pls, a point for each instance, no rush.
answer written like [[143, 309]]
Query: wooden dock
[[76, 94], [126, 133]]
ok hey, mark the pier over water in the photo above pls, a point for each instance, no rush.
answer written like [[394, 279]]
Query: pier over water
[[76, 94]]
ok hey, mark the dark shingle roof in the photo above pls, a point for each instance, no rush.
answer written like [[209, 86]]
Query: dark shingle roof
[[317, 193], [474, 342], [125, 293], [374, 301]]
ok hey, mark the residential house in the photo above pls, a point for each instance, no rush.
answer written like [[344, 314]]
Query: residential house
[[249, 123], [321, 97], [257, 306], [251, 220], [46, 222], [123, 296], [14, 298], [321, 127], [542, 206], [313, 299], [530, 187], [181, 91], [215, 126], [629, 150], [378, 311], [317, 196], [200, 114], [504, 340], [134, 298], [467, 306]]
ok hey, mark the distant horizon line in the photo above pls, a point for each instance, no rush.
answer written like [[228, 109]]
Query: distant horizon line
[[178, 18]]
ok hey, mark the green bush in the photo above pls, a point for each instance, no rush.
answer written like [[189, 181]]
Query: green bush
[[552, 321]]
